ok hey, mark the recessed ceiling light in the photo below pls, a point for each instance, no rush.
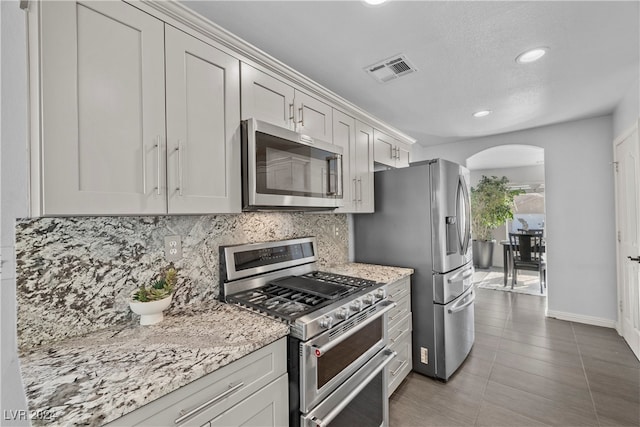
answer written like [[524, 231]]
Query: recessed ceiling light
[[374, 2], [482, 113], [531, 55]]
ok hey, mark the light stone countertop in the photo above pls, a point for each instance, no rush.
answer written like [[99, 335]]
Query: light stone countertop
[[378, 273], [99, 377]]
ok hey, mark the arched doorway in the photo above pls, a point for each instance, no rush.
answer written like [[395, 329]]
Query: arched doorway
[[523, 165]]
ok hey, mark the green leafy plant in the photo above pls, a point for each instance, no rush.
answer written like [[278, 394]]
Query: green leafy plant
[[161, 287], [491, 205]]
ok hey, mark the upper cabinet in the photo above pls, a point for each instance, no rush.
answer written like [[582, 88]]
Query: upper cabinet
[[203, 117], [344, 135], [108, 144], [268, 99], [362, 165], [103, 120], [389, 151]]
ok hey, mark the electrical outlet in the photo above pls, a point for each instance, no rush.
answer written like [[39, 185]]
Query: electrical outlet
[[172, 248], [424, 355]]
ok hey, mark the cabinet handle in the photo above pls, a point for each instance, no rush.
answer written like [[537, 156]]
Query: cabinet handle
[[360, 182], [400, 333], [634, 259], [400, 313], [354, 199], [292, 117], [184, 416], [144, 169], [301, 111], [402, 365], [158, 147], [179, 150]]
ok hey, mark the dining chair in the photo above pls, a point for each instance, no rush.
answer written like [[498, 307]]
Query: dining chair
[[527, 253]]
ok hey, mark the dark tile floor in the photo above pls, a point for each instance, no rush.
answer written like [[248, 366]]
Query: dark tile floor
[[527, 370]]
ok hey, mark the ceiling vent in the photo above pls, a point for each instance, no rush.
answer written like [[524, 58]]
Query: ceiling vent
[[391, 68]]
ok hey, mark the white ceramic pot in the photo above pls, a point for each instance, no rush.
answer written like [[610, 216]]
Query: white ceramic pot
[[150, 312]]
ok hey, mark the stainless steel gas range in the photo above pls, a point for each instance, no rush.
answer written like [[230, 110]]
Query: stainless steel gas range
[[337, 347]]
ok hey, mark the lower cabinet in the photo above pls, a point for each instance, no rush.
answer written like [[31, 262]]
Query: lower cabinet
[[400, 327], [250, 391]]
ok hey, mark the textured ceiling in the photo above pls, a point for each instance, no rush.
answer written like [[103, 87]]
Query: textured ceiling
[[464, 51]]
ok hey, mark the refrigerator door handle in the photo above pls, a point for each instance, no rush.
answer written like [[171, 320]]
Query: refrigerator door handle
[[464, 222], [456, 308]]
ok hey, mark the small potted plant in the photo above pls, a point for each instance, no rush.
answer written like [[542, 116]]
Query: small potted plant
[[491, 206], [149, 301]]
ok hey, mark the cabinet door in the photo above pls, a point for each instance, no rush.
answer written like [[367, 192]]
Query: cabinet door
[[313, 117], [402, 151], [203, 121], [344, 135], [384, 148], [266, 98], [363, 165], [268, 407], [103, 123]]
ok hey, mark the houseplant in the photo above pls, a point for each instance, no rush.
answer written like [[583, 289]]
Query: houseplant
[[150, 300], [491, 206]]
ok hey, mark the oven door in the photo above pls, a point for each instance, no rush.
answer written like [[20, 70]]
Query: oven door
[[360, 401], [282, 168], [333, 356]]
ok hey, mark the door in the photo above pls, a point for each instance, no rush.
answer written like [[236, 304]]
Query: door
[[203, 120], [314, 118], [627, 157], [383, 148], [103, 116], [362, 162], [344, 135], [266, 98], [450, 215], [455, 333]]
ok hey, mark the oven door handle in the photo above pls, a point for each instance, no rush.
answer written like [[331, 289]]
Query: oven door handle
[[343, 404], [383, 307]]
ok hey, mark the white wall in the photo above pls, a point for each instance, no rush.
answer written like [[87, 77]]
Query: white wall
[[580, 211], [628, 111], [13, 192]]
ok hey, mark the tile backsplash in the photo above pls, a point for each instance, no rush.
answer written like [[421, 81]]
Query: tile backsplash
[[75, 275]]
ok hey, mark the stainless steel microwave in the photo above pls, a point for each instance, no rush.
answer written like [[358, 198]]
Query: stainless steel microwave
[[285, 170]]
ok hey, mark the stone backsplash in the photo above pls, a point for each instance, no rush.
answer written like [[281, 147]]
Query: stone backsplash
[[75, 275]]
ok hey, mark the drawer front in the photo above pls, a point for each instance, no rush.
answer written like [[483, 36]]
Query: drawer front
[[402, 308], [399, 289], [402, 365], [400, 329], [215, 392], [268, 407]]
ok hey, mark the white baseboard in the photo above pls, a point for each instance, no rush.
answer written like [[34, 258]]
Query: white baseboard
[[579, 318]]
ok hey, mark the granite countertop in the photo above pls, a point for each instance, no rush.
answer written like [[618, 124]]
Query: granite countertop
[[99, 377], [378, 273]]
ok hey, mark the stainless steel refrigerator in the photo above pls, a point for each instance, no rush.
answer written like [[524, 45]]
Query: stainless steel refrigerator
[[422, 221]]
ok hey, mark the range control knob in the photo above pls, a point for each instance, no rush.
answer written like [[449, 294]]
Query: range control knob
[[342, 314], [381, 293], [326, 322], [369, 299], [356, 305]]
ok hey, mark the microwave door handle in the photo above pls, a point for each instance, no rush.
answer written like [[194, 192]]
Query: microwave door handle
[[338, 176], [334, 186]]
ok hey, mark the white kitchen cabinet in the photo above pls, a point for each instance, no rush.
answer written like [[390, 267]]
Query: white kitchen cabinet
[[269, 99], [266, 98], [344, 135], [356, 139], [313, 117], [363, 167], [102, 112], [203, 116], [250, 391], [400, 327], [104, 146], [390, 151]]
